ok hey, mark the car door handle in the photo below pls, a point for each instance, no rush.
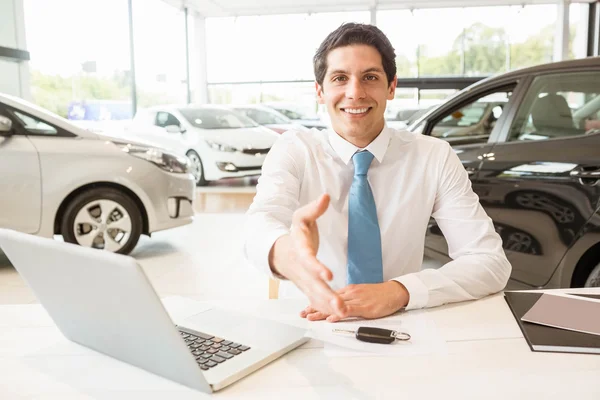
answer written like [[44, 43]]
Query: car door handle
[[586, 174]]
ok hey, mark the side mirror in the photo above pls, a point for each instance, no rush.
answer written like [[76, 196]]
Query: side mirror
[[174, 129], [5, 126]]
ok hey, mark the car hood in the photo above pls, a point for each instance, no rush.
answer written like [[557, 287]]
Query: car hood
[[242, 138], [119, 138]]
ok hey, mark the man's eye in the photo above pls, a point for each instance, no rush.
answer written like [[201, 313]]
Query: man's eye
[[339, 78], [371, 77]]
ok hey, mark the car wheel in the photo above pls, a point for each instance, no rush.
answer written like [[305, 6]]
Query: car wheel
[[197, 168], [593, 279], [103, 218]]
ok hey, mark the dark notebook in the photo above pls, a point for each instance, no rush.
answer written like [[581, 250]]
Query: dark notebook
[[545, 338]]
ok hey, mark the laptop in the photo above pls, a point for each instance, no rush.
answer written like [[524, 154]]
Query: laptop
[[104, 301]]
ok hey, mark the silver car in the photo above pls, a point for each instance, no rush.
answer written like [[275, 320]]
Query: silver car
[[57, 178]]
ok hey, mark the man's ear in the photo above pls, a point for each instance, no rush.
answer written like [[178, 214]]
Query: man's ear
[[320, 95], [392, 88]]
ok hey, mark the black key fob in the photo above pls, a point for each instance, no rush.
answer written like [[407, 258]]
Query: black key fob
[[375, 335]]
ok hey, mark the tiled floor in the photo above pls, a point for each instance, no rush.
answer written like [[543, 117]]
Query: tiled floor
[[202, 260]]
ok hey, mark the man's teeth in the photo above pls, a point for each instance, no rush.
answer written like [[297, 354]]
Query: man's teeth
[[356, 110]]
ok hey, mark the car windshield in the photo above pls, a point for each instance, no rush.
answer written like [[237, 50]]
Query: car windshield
[[291, 114], [263, 117], [216, 118], [467, 116]]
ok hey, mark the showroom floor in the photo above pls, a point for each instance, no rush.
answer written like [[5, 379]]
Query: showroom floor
[[202, 260]]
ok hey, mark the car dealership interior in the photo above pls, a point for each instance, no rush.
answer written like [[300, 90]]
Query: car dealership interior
[[186, 172]]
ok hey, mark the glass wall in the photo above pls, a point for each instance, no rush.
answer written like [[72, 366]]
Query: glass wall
[[472, 41], [160, 60], [80, 52], [80, 58], [268, 48], [578, 30]]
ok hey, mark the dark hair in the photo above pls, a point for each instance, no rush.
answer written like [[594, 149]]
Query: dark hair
[[351, 33]]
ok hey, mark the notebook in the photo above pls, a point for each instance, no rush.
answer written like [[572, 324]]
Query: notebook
[[574, 313], [546, 338]]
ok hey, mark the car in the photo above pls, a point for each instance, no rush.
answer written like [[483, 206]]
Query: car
[[95, 191], [268, 117], [530, 145], [297, 116], [221, 143]]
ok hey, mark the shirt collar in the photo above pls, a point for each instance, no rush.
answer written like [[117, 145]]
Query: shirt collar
[[345, 150]]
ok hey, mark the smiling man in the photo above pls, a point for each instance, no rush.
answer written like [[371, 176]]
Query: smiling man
[[340, 215]]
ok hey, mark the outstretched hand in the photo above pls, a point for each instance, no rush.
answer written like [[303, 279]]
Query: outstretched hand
[[299, 263]]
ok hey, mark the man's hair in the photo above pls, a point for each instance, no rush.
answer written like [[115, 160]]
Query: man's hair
[[349, 34]]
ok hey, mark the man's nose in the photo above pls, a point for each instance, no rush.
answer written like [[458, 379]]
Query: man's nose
[[355, 89]]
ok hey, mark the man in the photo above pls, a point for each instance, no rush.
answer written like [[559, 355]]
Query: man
[[342, 213]]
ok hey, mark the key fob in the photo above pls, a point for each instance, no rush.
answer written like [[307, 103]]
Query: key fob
[[375, 335]]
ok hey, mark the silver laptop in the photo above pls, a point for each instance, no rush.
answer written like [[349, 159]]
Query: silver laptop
[[104, 301]]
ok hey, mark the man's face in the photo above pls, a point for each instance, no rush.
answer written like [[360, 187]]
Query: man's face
[[355, 90]]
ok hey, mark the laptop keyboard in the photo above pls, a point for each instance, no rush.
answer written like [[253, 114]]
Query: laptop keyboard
[[209, 350]]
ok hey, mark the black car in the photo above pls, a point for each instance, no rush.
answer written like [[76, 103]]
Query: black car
[[530, 142]]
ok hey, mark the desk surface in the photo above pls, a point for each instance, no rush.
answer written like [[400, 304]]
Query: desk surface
[[487, 358]]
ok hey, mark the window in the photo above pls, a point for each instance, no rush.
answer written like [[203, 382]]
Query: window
[[215, 118], [290, 114], [164, 119], [263, 117], [475, 120], [35, 126], [557, 106]]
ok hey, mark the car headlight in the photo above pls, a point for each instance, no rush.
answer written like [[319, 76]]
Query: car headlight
[[220, 146], [165, 160]]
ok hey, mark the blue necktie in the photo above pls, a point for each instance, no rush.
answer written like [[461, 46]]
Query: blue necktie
[[365, 263]]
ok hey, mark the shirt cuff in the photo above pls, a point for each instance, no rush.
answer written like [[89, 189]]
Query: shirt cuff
[[266, 247], [418, 292]]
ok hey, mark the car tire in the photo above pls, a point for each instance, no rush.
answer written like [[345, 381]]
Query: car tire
[[197, 168], [593, 278], [103, 218]]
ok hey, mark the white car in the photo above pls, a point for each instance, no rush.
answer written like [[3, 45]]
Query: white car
[[294, 113], [220, 142], [268, 117], [57, 178]]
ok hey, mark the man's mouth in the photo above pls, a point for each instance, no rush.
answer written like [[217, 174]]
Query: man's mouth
[[356, 111]]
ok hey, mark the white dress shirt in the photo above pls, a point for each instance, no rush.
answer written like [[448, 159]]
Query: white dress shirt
[[413, 177]]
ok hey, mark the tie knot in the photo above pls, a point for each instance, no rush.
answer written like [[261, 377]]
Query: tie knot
[[362, 161]]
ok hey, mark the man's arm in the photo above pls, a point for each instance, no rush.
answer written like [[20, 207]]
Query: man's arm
[[281, 238], [270, 214], [479, 266]]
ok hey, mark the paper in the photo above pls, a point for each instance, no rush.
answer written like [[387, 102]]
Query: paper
[[574, 313], [425, 338]]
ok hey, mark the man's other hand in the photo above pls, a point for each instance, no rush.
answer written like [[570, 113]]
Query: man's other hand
[[366, 301], [295, 257]]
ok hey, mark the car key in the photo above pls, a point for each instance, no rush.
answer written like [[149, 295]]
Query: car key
[[375, 335]]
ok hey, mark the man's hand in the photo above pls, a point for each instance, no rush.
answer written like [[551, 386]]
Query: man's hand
[[366, 301], [294, 257]]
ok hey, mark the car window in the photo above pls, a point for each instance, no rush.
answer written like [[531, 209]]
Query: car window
[[558, 106], [262, 117], [165, 119], [290, 114], [35, 126], [476, 120], [216, 118]]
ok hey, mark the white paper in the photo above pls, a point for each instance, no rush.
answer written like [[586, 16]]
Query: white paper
[[425, 338]]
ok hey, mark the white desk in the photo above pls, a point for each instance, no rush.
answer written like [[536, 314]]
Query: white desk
[[487, 358]]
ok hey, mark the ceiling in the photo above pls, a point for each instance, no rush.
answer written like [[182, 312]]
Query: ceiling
[[232, 8]]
